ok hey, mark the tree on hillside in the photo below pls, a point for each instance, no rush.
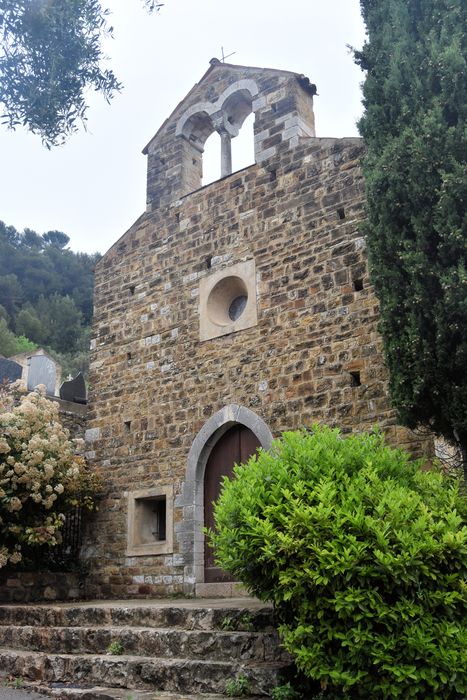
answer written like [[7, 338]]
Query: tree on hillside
[[56, 238], [28, 323], [414, 128], [62, 321], [11, 293], [46, 296], [7, 340], [32, 265], [11, 344], [50, 55]]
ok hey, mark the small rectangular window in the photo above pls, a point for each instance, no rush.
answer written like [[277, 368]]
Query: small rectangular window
[[358, 285], [160, 519], [150, 521]]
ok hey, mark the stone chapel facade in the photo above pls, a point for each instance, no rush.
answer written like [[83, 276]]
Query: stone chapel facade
[[225, 315]]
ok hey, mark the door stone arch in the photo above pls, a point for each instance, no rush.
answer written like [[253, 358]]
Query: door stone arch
[[189, 532]]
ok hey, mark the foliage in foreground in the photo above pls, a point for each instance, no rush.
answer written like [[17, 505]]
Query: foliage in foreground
[[415, 60], [41, 476], [364, 556]]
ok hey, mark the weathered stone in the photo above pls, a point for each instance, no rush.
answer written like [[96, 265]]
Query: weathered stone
[[197, 654], [294, 218]]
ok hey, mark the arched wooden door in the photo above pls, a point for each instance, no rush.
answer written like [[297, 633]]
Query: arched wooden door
[[235, 447]]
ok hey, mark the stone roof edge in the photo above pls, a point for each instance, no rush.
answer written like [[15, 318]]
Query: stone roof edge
[[40, 351], [134, 227], [300, 77]]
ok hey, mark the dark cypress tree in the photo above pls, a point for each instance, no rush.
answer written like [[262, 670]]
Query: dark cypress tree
[[414, 125]]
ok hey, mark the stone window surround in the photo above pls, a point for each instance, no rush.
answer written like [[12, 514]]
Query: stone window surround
[[218, 291], [135, 549], [191, 501]]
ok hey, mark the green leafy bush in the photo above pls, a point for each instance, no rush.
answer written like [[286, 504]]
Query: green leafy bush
[[115, 649], [284, 692], [363, 555], [237, 687]]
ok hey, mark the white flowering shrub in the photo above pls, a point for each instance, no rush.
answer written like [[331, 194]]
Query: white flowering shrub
[[41, 475]]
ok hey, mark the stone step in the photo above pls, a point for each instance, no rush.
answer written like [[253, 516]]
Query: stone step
[[156, 614], [139, 672], [145, 641], [74, 692]]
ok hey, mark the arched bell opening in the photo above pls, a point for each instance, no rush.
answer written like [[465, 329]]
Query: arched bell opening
[[196, 131], [237, 134], [231, 114], [236, 108], [243, 145], [212, 159]]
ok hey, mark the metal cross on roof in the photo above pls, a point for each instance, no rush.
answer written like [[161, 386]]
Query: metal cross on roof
[[228, 55]]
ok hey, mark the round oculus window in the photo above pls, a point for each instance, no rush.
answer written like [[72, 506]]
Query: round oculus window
[[227, 301], [237, 307]]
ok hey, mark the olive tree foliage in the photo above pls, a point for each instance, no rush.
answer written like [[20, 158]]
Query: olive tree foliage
[[50, 55], [415, 89]]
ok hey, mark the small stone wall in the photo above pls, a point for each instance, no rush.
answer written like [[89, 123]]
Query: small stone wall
[[33, 586], [72, 416]]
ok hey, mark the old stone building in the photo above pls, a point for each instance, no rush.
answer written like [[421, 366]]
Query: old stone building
[[225, 315]]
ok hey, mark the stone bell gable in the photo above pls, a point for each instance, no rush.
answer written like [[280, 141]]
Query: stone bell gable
[[282, 103], [226, 314]]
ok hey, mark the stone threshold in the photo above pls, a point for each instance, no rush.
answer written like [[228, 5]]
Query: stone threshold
[[227, 590], [74, 692]]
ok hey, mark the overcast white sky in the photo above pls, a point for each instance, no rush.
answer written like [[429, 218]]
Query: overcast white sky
[[93, 188]]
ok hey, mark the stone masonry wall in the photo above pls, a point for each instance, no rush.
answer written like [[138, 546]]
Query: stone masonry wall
[[37, 586], [314, 355], [72, 417]]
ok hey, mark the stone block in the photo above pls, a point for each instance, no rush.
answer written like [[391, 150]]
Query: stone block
[[92, 434]]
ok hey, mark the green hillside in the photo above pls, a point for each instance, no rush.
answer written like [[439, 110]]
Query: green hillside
[[45, 296]]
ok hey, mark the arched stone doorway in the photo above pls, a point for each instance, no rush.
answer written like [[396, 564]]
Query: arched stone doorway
[[235, 446], [189, 532]]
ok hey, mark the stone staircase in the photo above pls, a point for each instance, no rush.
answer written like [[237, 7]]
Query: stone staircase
[[183, 650]]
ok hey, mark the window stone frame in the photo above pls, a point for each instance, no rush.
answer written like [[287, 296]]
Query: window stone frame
[[135, 549], [209, 326]]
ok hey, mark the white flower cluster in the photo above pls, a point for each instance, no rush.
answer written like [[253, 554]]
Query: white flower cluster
[[38, 470]]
